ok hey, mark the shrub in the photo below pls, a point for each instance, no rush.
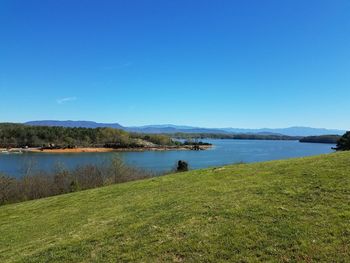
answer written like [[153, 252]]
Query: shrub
[[182, 166]]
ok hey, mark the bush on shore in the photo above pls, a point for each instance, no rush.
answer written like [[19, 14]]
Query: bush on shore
[[182, 166], [344, 142]]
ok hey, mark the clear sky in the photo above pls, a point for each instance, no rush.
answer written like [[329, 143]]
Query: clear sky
[[215, 63]]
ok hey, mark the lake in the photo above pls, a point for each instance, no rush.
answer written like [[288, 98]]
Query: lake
[[223, 152]]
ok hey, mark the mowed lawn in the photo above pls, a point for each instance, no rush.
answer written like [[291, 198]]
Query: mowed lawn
[[281, 211]]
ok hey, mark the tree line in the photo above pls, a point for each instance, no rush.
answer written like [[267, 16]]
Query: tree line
[[19, 135], [331, 139], [188, 136]]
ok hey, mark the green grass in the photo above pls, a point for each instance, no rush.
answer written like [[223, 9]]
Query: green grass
[[289, 211]]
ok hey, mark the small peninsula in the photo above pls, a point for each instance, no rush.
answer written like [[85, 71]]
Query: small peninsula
[[19, 138]]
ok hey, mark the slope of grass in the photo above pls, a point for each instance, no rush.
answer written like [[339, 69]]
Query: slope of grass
[[291, 210]]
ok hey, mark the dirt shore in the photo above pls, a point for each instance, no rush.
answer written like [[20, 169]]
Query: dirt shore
[[103, 150]]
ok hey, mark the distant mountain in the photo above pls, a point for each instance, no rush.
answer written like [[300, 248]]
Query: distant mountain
[[170, 128], [291, 131], [72, 124]]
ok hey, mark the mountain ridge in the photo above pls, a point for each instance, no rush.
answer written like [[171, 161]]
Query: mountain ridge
[[171, 128]]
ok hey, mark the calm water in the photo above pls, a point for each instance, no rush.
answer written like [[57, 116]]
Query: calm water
[[223, 152]]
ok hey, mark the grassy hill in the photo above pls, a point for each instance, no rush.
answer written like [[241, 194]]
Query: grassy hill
[[292, 210]]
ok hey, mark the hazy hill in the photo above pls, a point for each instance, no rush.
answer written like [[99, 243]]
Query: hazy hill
[[173, 129], [291, 131], [71, 124]]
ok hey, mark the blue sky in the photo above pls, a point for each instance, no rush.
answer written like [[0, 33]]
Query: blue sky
[[246, 64]]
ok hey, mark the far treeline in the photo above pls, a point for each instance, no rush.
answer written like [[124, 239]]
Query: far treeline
[[342, 142], [331, 139], [247, 136], [19, 135]]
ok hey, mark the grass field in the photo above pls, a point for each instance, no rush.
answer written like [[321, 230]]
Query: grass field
[[288, 211]]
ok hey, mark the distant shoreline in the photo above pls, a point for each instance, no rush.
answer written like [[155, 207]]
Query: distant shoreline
[[104, 150]]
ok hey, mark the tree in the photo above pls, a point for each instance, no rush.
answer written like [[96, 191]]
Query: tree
[[73, 187], [7, 189], [344, 142], [118, 169]]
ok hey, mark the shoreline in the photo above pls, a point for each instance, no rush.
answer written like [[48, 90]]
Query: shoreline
[[104, 150]]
